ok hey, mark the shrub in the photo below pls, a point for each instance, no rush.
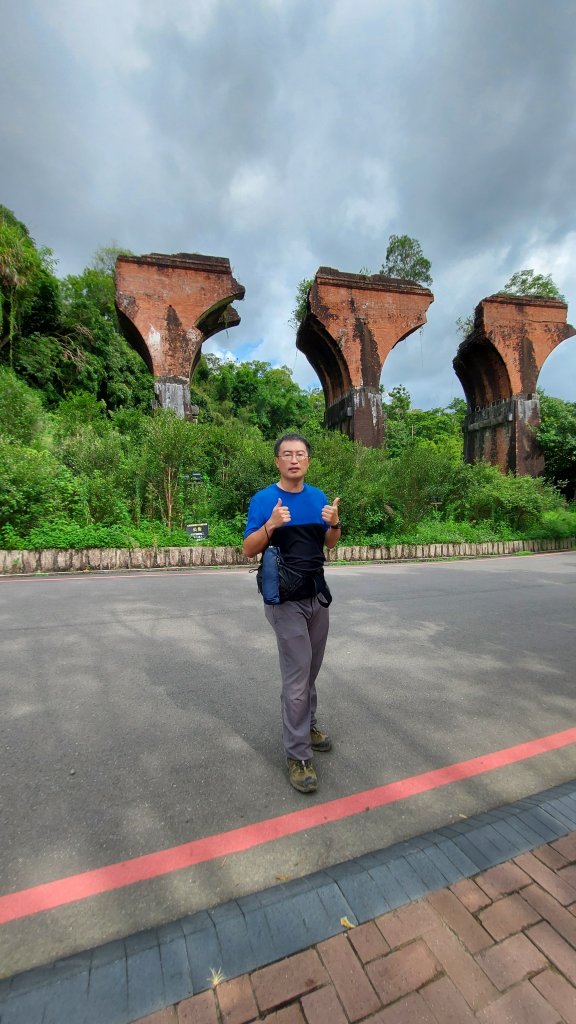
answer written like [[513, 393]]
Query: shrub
[[64, 534], [423, 478], [22, 415], [518, 502], [34, 486]]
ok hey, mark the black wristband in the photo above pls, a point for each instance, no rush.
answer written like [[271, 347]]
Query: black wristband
[[336, 526]]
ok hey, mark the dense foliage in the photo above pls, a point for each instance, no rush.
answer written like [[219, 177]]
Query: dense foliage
[[83, 475], [62, 336], [255, 394], [85, 463], [526, 282], [557, 439]]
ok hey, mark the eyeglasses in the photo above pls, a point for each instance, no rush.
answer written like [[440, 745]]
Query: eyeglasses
[[299, 456]]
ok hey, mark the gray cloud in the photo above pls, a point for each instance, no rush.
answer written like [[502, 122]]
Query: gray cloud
[[287, 135]]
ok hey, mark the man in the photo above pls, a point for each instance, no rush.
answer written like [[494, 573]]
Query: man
[[299, 520]]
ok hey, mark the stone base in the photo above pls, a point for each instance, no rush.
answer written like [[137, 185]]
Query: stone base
[[114, 559]]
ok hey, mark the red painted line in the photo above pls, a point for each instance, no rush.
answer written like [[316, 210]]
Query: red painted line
[[115, 876]]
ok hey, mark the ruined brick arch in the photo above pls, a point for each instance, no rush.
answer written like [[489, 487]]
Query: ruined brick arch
[[498, 365], [134, 338], [167, 307], [327, 361], [484, 377], [352, 323], [218, 317]]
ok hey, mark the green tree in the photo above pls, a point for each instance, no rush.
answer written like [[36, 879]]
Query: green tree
[[358, 476], [169, 455], [526, 282], [238, 462], [77, 411], [556, 436], [254, 393], [64, 335], [102, 361], [299, 311], [104, 259], [405, 259], [399, 433], [399, 402], [441, 427], [423, 477], [406, 427], [23, 268]]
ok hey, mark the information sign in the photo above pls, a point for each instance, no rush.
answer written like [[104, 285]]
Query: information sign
[[198, 531]]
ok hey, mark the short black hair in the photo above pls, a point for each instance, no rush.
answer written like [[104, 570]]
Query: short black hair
[[291, 437]]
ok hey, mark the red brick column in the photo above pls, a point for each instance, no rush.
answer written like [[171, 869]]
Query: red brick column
[[498, 365], [168, 306], [351, 325]]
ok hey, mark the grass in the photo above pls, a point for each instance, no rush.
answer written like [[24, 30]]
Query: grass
[[216, 976]]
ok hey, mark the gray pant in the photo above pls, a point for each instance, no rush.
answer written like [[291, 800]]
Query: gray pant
[[301, 629]]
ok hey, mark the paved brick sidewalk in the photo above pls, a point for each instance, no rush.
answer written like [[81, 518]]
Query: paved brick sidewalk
[[472, 921], [498, 948]]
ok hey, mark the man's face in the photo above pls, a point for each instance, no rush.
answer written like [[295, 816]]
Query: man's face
[[292, 460]]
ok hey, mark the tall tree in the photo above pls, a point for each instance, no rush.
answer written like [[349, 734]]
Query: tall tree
[[405, 259], [526, 282], [106, 366], [105, 257], [23, 269]]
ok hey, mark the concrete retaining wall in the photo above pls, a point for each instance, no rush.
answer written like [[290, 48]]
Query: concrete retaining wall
[[100, 559]]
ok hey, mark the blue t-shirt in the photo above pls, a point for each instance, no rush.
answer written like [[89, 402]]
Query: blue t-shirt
[[301, 541]]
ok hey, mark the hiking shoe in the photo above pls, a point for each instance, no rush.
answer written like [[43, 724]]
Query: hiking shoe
[[302, 776], [320, 740]]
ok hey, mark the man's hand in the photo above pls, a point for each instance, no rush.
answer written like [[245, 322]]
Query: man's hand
[[280, 515], [330, 513], [257, 541]]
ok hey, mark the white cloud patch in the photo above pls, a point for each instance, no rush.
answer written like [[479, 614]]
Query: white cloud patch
[[555, 258], [224, 355], [287, 136]]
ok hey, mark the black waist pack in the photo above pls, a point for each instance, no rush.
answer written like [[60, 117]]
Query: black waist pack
[[278, 583]]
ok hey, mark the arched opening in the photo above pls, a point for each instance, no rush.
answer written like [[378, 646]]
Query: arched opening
[[325, 359], [558, 374], [134, 338]]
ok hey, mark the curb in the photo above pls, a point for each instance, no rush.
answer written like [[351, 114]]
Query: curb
[[55, 560]]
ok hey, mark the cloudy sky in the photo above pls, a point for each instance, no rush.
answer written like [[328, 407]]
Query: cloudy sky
[[291, 134]]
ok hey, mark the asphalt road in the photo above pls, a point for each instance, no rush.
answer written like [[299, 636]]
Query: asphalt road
[[141, 711]]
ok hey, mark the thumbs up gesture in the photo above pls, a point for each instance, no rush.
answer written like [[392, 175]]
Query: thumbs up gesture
[[330, 513], [280, 515]]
